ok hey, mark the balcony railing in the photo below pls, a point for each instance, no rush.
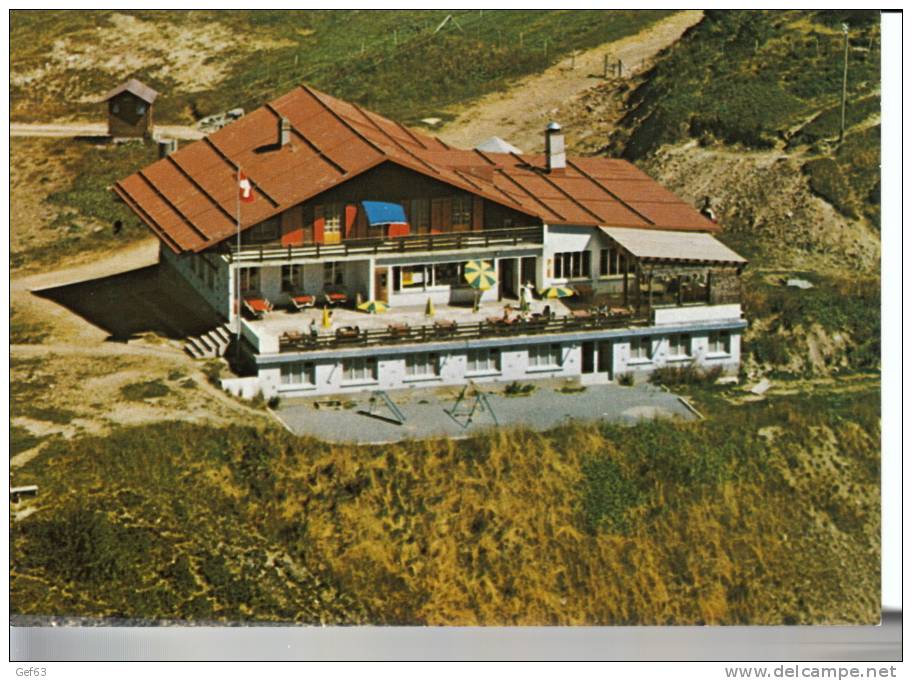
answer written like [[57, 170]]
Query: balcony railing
[[487, 238], [442, 331]]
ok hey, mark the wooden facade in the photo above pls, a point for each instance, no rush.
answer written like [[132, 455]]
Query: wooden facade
[[431, 207]]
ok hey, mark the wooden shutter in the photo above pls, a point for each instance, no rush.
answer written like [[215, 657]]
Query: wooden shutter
[[477, 213], [292, 227], [351, 214], [319, 224], [441, 215]]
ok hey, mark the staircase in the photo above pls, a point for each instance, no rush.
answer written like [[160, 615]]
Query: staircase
[[210, 344]]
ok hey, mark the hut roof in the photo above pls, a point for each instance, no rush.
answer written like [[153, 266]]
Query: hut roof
[[133, 86]]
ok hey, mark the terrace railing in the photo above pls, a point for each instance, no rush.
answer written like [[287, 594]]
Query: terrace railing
[[447, 331], [486, 238]]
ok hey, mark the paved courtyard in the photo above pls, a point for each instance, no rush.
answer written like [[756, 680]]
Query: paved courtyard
[[429, 412]]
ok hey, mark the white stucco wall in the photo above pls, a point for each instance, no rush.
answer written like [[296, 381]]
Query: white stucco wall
[[218, 295]]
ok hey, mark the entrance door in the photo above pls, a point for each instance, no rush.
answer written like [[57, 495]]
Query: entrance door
[[527, 271], [606, 359], [588, 357], [381, 284], [506, 276]]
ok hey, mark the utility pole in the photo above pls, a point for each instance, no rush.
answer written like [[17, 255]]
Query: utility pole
[[845, 80]]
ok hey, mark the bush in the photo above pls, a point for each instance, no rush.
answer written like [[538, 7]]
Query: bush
[[690, 374], [517, 389], [274, 402], [827, 181], [626, 379], [607, 495], [138, 392]]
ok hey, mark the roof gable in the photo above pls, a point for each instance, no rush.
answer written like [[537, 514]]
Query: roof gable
[[134, 87]]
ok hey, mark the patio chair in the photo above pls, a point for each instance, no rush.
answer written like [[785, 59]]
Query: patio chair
[[335, 297], [256, 304], [300, 300]]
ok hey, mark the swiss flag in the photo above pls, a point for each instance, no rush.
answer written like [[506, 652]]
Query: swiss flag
[[245, 189]]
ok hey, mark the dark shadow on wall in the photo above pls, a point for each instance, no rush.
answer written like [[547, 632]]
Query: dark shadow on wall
[[154, 299]]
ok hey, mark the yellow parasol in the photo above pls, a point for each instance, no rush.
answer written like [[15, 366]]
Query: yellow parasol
[[557, 292], [326, 321], [373, 306]]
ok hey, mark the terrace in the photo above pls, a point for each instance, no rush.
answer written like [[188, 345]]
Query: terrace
[[284, 331]]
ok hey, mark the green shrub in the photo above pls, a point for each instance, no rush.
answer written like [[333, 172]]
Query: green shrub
[[626, 379], [517, 389], [689, 374], [827, 181], [607, 495], [137, 392]]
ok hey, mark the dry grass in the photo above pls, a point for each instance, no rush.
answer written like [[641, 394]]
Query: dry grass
[[766, 513]]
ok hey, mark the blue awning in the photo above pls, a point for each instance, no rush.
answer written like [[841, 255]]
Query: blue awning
[[383, 213]]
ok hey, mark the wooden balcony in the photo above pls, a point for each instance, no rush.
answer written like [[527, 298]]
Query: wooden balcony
[[454, 241]]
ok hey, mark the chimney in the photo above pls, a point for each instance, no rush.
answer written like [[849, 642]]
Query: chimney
[[166, 147], [554, 148], [284, 131]]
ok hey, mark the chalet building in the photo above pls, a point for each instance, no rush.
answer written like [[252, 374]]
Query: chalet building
[[342, 206], [130, 109]]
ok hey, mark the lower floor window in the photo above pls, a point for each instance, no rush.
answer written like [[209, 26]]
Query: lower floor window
[[250, 279], [641, 348], [544, 355], [483, 359], [298, 373], [332, 274], [573, 265], [359, 369], [678, 345], [719, 342], [292, 277], [421, 364]]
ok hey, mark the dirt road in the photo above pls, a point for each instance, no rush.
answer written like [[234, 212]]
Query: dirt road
[[520, 114], [85, 129]]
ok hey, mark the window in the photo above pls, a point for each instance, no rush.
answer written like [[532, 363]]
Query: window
[[719, 343], [332, 213], [298, 373], [115, 107], [641, 348], [292, 277], [415, 276], [140, 108], [482, 360], [678, 345], [359, 369], [332, 274], [573, 265], [250, 279], [461, 212], [421, 364], [268, 230], [545, 355], [449, 274], [420, 216], [612, 261]]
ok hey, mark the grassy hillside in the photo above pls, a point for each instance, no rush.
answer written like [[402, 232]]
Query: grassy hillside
[[392, 61], [658, 523], [769, 79]]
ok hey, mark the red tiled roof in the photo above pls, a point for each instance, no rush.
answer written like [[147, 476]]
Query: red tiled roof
[[189, 198]]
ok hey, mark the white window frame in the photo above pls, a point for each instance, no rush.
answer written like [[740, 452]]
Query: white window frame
[[482, 361], [297, 374], [422, 365], [712, 346], [679, 342], [641, 350], [359, 370], [544, 356]]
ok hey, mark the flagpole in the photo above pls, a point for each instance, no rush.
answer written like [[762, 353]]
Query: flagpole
[[237, 269]]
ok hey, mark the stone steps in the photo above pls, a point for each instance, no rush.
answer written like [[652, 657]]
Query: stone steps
[[211, 344]]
